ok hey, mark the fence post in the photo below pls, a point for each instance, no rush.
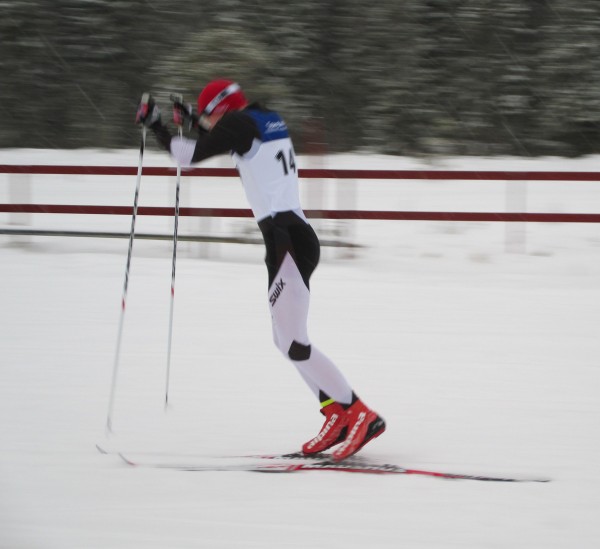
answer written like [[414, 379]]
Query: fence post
[[19, 192], [346, 199], [516, 231]]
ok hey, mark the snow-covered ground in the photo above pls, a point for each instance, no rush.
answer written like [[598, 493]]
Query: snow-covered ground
[[479, 343]]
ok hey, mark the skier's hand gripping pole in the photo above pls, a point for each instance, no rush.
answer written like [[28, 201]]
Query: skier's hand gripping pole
[[183, 113], [148, 112]]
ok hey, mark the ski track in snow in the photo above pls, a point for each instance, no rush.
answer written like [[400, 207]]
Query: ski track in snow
[[481, 361]]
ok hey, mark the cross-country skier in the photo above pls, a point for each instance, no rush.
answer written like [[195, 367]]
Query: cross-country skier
[[258, 140]]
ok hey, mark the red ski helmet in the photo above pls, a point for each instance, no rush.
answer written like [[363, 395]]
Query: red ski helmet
[[220, 96]]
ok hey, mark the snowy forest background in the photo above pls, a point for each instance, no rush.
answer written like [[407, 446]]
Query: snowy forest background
[[408, 77]]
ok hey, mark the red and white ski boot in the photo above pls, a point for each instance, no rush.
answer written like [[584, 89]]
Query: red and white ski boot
[[333, 432], [363, 425]]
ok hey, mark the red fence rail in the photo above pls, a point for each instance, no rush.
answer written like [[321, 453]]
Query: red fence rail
[[320, 214], [313, 174], [468, 175]]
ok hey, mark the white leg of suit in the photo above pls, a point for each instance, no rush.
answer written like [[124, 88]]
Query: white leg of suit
[[313, 386], [289, 300]]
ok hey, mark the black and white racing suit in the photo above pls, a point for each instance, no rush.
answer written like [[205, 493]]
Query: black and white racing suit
[[259, 142]]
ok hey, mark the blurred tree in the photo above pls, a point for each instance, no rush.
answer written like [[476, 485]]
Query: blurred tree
[[28, 80], [218, 53], [398, 76], [569, 67]]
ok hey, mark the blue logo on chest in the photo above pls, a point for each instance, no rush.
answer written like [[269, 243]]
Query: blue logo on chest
[[269, 124]]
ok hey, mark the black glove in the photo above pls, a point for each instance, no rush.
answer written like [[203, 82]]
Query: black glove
[[148, 112], [183, 114]]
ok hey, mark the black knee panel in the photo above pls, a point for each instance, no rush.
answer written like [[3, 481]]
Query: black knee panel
[[298, 351]]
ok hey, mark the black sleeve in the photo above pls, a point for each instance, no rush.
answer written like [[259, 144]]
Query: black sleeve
[[234, 132], [163, 135]]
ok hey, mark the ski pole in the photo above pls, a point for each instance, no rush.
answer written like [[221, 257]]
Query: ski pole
[[126, 283], [170, 339]]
